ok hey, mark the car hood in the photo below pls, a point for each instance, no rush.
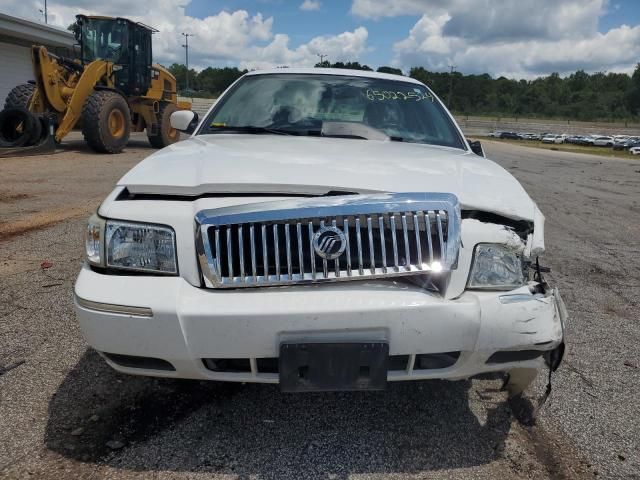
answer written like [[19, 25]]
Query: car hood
[[273, 164]]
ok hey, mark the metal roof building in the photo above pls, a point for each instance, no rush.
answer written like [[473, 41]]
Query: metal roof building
[[16, 37]]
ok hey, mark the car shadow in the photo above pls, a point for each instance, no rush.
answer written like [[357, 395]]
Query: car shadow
[[254, 431], [78, 145]]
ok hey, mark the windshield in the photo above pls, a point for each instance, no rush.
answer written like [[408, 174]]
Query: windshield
[[103, 39], [333, 105]]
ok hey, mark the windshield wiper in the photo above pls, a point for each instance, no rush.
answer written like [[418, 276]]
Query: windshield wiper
[[250, 129]]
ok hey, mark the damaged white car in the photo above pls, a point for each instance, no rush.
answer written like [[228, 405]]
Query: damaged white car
[[324, 230]]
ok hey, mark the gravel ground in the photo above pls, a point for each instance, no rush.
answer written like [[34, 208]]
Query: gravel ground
[[65, 414]]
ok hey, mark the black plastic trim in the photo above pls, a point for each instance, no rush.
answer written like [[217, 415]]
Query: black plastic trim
[[507, 356], [147, 363], [126, 195]]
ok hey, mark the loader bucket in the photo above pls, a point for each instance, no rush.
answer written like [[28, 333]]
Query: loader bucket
[[22, 133]]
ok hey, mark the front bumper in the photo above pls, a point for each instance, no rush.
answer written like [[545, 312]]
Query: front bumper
[[183, 325]]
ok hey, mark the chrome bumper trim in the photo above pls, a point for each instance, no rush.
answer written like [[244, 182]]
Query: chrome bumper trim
[[111, 308]]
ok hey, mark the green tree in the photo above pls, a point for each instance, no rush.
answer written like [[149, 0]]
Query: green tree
[[180, 72], [349, 65], [394, 71], [214, 81], [632, 97]]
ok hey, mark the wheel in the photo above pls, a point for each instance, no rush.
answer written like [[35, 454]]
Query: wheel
[[36, 131], [19, 96], [106, 121], [17, 127], [166, 135]]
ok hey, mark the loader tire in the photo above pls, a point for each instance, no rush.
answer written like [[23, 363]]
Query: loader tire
[[17, 127], [106, 121], [19, 96], [166, 135], [36, 131]]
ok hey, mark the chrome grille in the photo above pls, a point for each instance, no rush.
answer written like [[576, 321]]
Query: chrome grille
[[382, 235]]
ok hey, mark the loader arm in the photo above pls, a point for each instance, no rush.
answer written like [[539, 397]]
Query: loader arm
[[49, 80], [83, 89]]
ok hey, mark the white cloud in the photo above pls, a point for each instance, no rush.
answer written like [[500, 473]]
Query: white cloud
[[343, 47], [309, 5], [224, 39], [522, 38]]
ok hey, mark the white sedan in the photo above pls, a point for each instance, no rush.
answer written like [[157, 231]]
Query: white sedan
[[553, 139], [322, 230], [634, 150], [603, 142]]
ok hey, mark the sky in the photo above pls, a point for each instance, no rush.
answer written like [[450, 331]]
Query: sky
[[514, 38]]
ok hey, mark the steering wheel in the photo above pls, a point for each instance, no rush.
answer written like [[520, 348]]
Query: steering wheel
[[114, 52], [284, 115], [390, 126]]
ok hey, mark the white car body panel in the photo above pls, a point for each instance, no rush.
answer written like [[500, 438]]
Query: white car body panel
[[189, 323], [233, 163]]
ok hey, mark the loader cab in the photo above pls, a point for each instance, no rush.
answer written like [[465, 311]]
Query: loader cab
[[124, 43]]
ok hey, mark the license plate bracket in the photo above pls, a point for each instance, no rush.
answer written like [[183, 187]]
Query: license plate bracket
[[323, 367]]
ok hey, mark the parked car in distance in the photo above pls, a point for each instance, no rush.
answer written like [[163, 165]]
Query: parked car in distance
[[634, 150], [603, 142], [573, 139], [553, 139], [334, 241], [586, 140], [510, 135], [626, 144], [530, 136], [495, 134]]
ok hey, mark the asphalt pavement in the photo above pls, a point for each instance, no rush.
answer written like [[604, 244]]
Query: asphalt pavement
[[65, 414]]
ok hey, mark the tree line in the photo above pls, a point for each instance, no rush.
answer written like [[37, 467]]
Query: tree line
[[579, 96]]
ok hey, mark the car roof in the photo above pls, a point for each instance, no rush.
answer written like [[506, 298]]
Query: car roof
[[336, 71]]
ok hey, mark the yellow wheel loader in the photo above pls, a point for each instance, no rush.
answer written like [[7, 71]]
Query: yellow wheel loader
[[110, 91]]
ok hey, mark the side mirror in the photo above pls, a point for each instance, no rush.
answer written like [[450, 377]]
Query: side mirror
[[184, 120], [476, 147]]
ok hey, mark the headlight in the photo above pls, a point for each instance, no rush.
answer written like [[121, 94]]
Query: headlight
[[140, 247], [496, 266]]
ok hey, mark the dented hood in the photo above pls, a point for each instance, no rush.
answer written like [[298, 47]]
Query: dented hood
[[254, 164]]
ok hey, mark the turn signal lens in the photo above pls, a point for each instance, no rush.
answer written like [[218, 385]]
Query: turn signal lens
[[92, 240]]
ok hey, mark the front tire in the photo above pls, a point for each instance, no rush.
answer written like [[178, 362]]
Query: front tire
[[106, 122], [166, 134], [19, 96]]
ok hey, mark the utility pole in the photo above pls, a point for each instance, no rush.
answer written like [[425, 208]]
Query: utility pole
[[186, 48], [452, 67], [322, 57], [44, 12]]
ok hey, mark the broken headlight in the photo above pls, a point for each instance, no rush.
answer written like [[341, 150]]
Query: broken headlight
[[497, 267], [140, 247]]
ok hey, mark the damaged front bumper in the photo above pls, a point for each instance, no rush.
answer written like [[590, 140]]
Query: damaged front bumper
[[235, 335], [518, 379]]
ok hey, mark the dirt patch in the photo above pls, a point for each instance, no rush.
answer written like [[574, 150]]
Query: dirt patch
[[40, 220], [6, 197], [558, 456]]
